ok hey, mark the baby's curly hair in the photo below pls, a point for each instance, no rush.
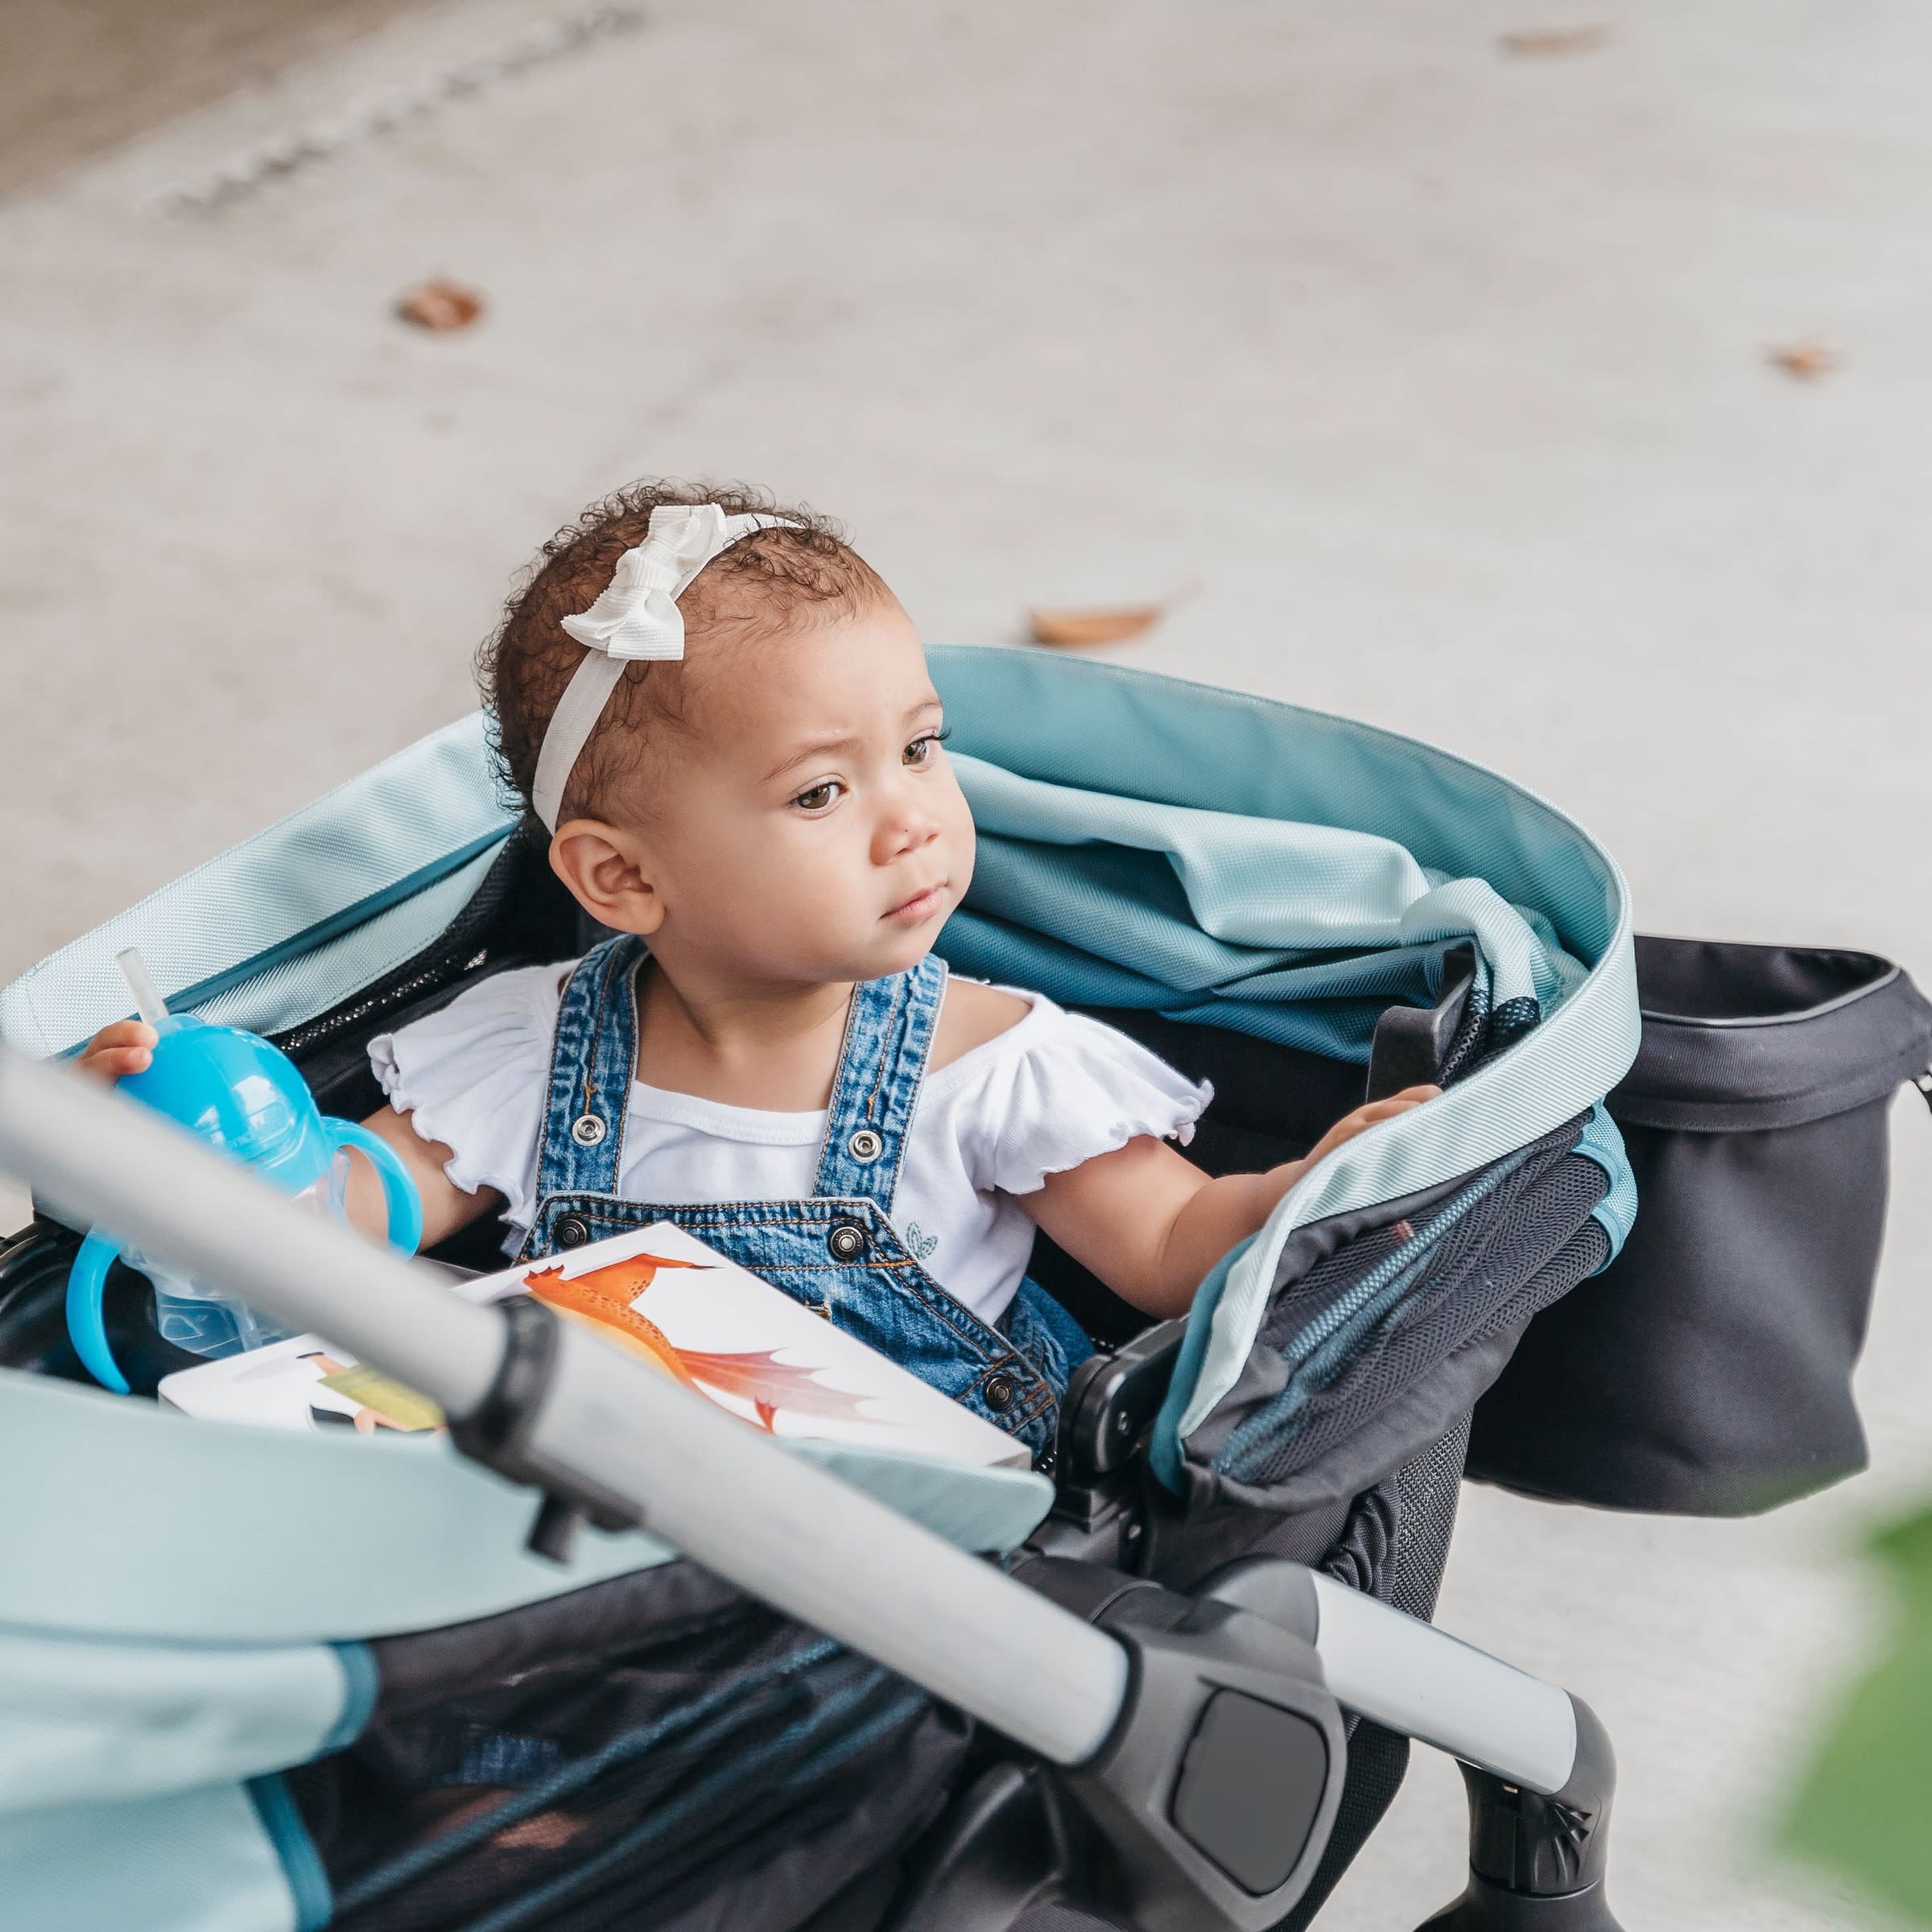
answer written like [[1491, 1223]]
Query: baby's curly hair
[[523, 668]]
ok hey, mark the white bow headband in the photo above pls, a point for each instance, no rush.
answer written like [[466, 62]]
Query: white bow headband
[[637, 616]]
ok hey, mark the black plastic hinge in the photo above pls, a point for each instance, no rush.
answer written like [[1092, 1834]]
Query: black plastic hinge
[[497, 1434]]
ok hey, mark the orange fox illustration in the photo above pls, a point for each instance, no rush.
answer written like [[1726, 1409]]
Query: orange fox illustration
[[602, 1297]]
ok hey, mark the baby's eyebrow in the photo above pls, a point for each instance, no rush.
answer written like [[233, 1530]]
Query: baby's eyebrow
[[823, 747], [819, 748]]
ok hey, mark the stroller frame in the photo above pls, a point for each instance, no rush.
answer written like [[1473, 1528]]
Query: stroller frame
[[1186, 1755]]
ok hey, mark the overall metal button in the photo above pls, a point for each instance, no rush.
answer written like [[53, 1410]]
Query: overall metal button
[[586, 1130], [847, 1241], [866, 1145], [572, 1230], [1001, 1389]]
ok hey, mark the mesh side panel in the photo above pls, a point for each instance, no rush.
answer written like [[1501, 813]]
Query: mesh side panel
[[1511, 1019], [1466, 1049], [588, 1778], [1367, 1322], [1487, 1287], [1428, 1488]]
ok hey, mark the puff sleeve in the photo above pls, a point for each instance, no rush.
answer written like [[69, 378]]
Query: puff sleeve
[[475, 1077], [1060, 1089]]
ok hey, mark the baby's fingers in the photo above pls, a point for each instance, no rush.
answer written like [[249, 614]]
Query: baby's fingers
[[127, 1046], [1395, 1104]]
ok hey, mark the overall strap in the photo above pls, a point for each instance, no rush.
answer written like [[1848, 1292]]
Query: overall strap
[[592, 1066], [888, 1035]]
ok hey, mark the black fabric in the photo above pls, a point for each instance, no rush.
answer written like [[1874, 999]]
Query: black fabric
[[654, 1749], [1426, 1489], [1708, 1370], [1752, 1037], [1469, 1263]]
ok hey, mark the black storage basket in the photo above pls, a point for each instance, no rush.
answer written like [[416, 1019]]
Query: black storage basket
[[1707, 1371]]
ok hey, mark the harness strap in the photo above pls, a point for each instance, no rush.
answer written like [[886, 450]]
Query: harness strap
[[592, 1065], [881, 1067], [889, 1031]]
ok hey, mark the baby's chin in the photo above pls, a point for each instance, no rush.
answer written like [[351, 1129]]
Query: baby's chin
[[904, 953], [892, 949]]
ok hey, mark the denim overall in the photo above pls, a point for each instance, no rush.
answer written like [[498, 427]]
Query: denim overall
[[837, 1253]]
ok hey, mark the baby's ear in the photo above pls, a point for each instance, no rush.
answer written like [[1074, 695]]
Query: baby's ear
[[609, 874]]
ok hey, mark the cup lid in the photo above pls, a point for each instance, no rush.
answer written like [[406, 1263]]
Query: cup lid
[[238, 1093]]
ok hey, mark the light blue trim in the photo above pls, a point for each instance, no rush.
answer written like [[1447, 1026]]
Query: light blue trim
[[1527, 879], [86, 1719], [1603, 1142], [427, 1538], [1164, 1443], [301, 1862], [197, 1860], [360, 1682], [192, 999], [383, 864]]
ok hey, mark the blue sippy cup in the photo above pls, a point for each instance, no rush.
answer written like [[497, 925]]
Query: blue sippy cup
[[245, 1096]]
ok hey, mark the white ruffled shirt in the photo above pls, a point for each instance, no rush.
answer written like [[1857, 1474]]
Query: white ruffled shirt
[[1053, 1091]]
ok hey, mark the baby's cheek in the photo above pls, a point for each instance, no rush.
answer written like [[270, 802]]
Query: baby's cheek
[[962, 842]]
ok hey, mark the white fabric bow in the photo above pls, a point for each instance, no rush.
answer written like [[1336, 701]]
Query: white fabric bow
[[636, 617]]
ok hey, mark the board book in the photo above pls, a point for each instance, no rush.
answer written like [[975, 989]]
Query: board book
[[668, 1299]]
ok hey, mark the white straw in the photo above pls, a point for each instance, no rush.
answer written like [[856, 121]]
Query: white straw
[[148, 1002]]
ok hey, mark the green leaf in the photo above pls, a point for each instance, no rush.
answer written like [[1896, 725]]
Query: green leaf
[[1865, 1808]]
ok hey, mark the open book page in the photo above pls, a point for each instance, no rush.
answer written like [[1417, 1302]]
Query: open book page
[[673, 1303]]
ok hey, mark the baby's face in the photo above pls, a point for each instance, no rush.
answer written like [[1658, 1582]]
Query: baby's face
[[806, 824]]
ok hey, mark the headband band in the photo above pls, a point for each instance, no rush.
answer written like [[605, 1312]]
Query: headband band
[[636, 617]]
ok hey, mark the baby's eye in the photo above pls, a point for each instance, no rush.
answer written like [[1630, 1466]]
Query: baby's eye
[[920, 750], [819, 798]]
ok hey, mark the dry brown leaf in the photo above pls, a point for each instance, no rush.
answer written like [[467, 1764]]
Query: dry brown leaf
[[440, 306], [1104, 624], [1094, 626], [1544, 40], [1807, 360]]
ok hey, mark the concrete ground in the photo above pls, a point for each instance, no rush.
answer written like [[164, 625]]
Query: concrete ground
[[77, 77], [1444, 368]]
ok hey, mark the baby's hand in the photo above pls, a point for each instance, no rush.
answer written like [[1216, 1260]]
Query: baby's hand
[[127, 1046], [1350, 1124]]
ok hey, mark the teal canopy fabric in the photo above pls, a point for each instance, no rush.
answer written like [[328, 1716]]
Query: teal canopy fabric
[[1298, 933]]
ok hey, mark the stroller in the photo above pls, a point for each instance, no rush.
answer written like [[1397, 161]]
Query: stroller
[[1169, 1677]]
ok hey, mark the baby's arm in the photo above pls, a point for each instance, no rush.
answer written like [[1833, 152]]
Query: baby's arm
[[1152, 1226], [127, 1048], [446, 1207]]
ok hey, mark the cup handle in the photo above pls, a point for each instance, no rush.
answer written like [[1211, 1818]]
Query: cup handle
[[399, 1188], [86, 1284]]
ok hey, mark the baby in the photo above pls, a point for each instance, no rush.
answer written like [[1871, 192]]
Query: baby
[[723, 716]]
